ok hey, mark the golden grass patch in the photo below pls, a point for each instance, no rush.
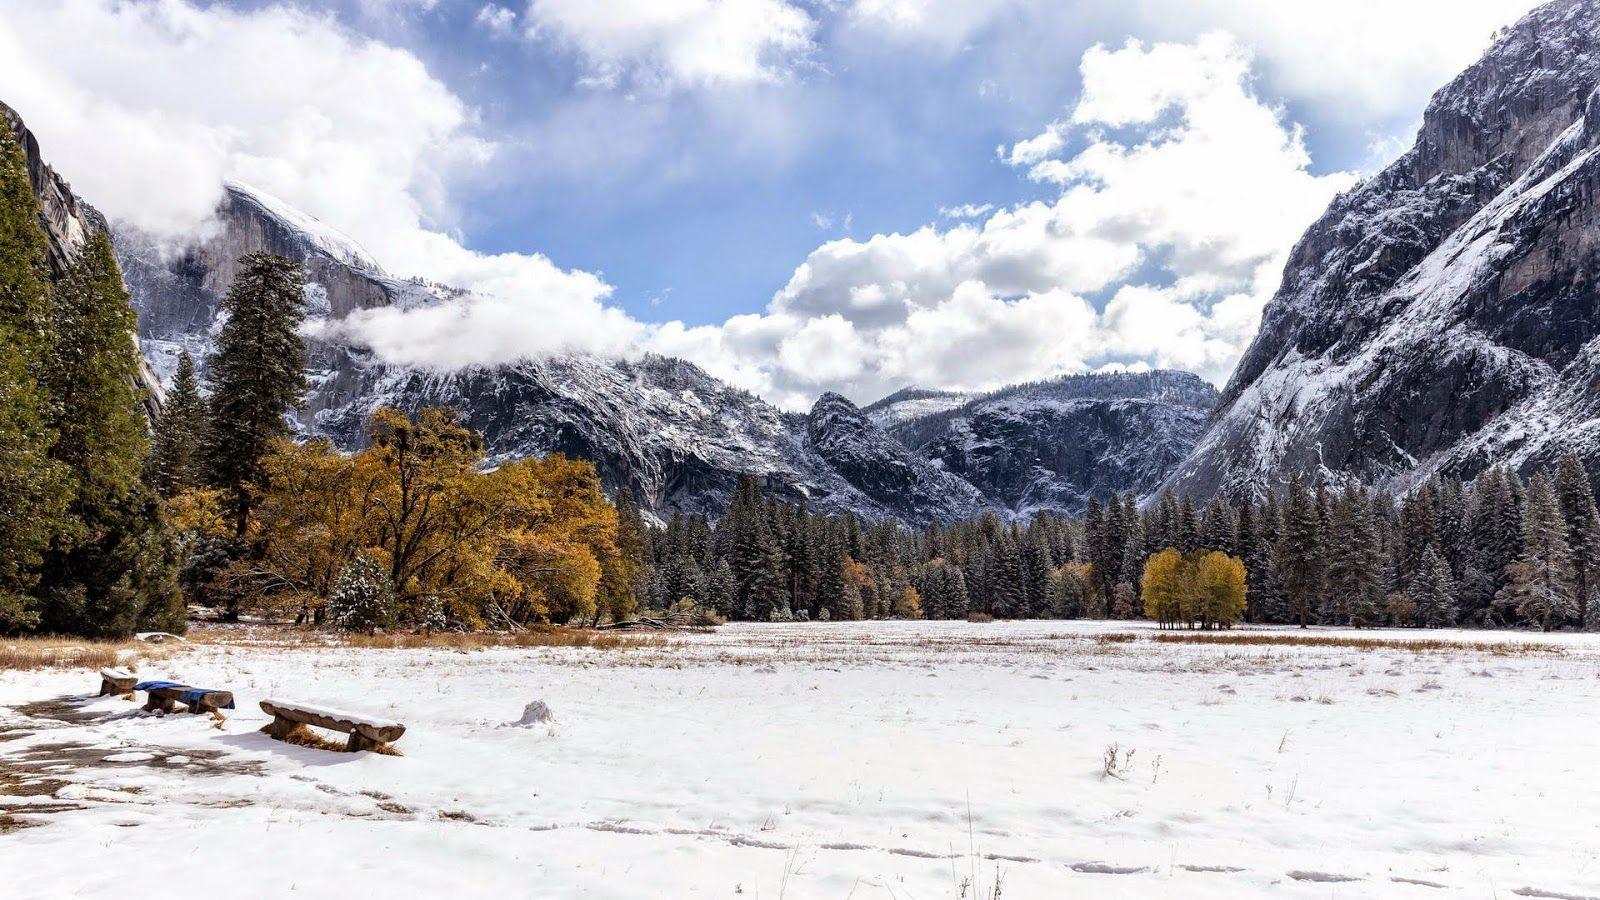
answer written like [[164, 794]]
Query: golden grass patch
[[1414, 645], [28, 653]]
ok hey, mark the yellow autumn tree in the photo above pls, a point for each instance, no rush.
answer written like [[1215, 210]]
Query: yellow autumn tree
[[907, 604], [1220, 588], [1167, 587], [529, 540]]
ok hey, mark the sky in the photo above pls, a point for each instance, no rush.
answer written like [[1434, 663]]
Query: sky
[[798, 195]]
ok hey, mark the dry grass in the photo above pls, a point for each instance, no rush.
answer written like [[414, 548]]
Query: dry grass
[[22, 654], [532, 637], [1417, 645], [291, 637], [303, 736]]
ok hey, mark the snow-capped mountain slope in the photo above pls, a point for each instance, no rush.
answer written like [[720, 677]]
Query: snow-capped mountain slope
[[1051, 445], [1442, 315], [885, 470], [912, 403]]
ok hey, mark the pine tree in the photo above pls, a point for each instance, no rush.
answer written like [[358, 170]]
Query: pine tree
[[1355, 572], [362, 599], [113, 568], [1218, 528], [1583, 534], [1006, 571], [1541, 586], [1300, 553], [179, 434], [1038, 573], [1432, 592], [33, 487], [1186, 536], [256, 375]]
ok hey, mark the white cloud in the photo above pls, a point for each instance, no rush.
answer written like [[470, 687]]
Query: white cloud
[[678, 43], [1183, 217], [497, 19], [966, 211], [1359, 57], [151, 106], [945, 25]]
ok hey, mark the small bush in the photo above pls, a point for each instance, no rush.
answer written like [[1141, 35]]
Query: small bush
[[362, 598], [979, 617]]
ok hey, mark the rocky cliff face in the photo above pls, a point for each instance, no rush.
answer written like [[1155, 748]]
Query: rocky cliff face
[[1050, 446], [68, 222], [1442, 315], [884, 469]]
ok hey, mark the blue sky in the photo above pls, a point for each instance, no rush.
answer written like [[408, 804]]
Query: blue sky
[[761, 185]]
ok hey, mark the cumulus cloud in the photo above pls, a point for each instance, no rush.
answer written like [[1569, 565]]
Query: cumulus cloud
[[302, 108], [1361, 56], [1177, 207], [678, 43]]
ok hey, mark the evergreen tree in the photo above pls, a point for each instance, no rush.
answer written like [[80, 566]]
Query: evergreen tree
[[1300, 553], [1583, 534], [33, 487], [113, 568], [1432, 593], [719, 589], [179, 435], [1541, 586], [256, 375], [362, 599], [1006, 574], [1355, 572], [1186, 536]]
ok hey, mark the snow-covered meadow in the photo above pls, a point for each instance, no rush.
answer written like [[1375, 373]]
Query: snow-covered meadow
[[890, 759]]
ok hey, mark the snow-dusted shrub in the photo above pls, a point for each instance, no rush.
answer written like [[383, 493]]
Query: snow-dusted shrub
[[362, 598], [426, 614], [781, 614]]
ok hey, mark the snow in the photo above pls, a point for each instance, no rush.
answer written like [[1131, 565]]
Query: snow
[[325, 237], [329, 712], [875, 759]]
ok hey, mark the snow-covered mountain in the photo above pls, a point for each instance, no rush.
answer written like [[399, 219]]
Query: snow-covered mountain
[[1443, 314], [912, 403], [1050, 445], [674, 435]]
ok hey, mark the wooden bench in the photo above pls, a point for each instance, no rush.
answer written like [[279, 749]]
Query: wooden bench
[[289, 721], [117, 682], [166, 700]]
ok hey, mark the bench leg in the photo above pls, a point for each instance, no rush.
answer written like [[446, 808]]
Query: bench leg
[[358, 741], [160, 704]]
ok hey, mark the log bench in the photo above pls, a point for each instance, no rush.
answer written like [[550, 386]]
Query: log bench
[[164, 696], [117, 682], [289, 721]]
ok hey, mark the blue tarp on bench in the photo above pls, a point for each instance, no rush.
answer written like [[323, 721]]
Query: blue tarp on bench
[[190, 695]]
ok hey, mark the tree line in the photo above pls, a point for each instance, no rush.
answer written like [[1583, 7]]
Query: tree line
[[1498, 552]]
